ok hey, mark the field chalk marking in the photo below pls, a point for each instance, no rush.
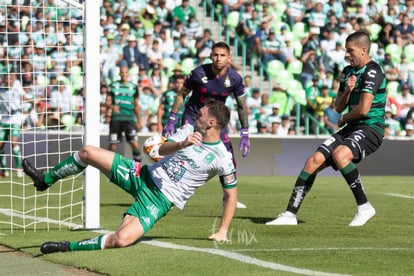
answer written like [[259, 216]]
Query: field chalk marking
[[402, 196], [223, 253]]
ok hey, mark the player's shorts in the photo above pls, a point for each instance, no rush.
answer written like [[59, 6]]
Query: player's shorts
[[116, 128], [7, 130], [361, 141], [150, 204]]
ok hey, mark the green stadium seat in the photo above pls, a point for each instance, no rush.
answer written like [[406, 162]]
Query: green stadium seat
[[295, 67], [299, 31], [283, 100], [393, 88], [296, 91], [187, 65], [232, 20], [374, 30], [169, 65], [274, 67], [395, 51], [408, 50]]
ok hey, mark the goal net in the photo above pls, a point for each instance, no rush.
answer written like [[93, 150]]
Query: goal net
[[42, 62]]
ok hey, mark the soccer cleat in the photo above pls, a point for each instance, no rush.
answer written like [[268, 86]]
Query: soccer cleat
[[53, 247], [285, 218], [19, 173], [35, 175], [4, 173], [240, 205], [364, 214]]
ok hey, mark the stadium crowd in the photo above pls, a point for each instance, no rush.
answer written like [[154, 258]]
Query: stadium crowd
[[160, 40]]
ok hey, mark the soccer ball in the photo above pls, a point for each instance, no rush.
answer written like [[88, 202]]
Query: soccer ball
[[150, 148]]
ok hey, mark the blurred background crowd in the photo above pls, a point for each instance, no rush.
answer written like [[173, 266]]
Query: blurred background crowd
[[299, 45]]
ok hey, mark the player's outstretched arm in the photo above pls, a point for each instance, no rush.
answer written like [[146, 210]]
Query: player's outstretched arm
[[229, 208]]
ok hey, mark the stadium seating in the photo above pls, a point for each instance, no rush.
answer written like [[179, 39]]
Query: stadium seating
[[274, 67], [393, 88], [395, 51]]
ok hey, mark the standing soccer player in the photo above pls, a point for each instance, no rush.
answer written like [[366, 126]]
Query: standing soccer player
[[124, 112], [11, 97], [216, 80], [167, 101], [362, 92]]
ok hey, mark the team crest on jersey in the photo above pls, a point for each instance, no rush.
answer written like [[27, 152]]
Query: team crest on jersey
[[227, 82]]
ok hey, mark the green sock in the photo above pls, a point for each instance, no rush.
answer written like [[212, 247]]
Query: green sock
[[352, 177], [303, 184], [70, 166], [96, 243], [17, 156], [2, 159]]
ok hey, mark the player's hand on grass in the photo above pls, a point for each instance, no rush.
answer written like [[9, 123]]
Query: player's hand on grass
[[219, 236]]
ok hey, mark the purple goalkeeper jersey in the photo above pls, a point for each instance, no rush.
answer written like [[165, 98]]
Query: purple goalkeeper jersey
[[204, 84]]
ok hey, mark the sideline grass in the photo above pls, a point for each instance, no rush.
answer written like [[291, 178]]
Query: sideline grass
[[322, 241]]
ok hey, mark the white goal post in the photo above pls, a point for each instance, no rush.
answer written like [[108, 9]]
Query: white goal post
[[74, 201], [92, 52]]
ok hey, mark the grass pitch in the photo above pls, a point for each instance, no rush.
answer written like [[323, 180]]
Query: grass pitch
[[322, 243]]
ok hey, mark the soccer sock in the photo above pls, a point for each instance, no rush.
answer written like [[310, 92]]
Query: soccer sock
[[17, 156], [303, 184], [70, 166], [352, 177], [2, 159], [96, 243]]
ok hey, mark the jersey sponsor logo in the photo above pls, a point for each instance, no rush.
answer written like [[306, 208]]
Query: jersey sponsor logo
[[369, 84], [371, 73], [175, 169]]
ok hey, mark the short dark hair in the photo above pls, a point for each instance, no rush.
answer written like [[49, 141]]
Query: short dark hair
[[221, 44], [360, 38], [219, 111]]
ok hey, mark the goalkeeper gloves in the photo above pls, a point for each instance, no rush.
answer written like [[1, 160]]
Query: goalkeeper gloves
[[169, 128], [244, 146]]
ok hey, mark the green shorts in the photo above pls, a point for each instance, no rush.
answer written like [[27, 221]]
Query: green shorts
[[150, 204]]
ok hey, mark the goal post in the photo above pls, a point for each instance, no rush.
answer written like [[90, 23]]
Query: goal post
[[26, 52], [92, 52]]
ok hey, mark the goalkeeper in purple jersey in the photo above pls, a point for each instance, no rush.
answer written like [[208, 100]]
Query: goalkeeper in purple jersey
[[215, 80]]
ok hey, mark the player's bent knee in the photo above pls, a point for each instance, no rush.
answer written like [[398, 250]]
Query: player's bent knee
[[342, 154]]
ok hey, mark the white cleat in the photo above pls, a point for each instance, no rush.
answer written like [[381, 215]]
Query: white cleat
[[240, 205], [19, 173], [364, 214], [285, 218]]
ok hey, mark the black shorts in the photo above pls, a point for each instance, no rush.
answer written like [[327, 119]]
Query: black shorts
[[362, 141], [116, 128]]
